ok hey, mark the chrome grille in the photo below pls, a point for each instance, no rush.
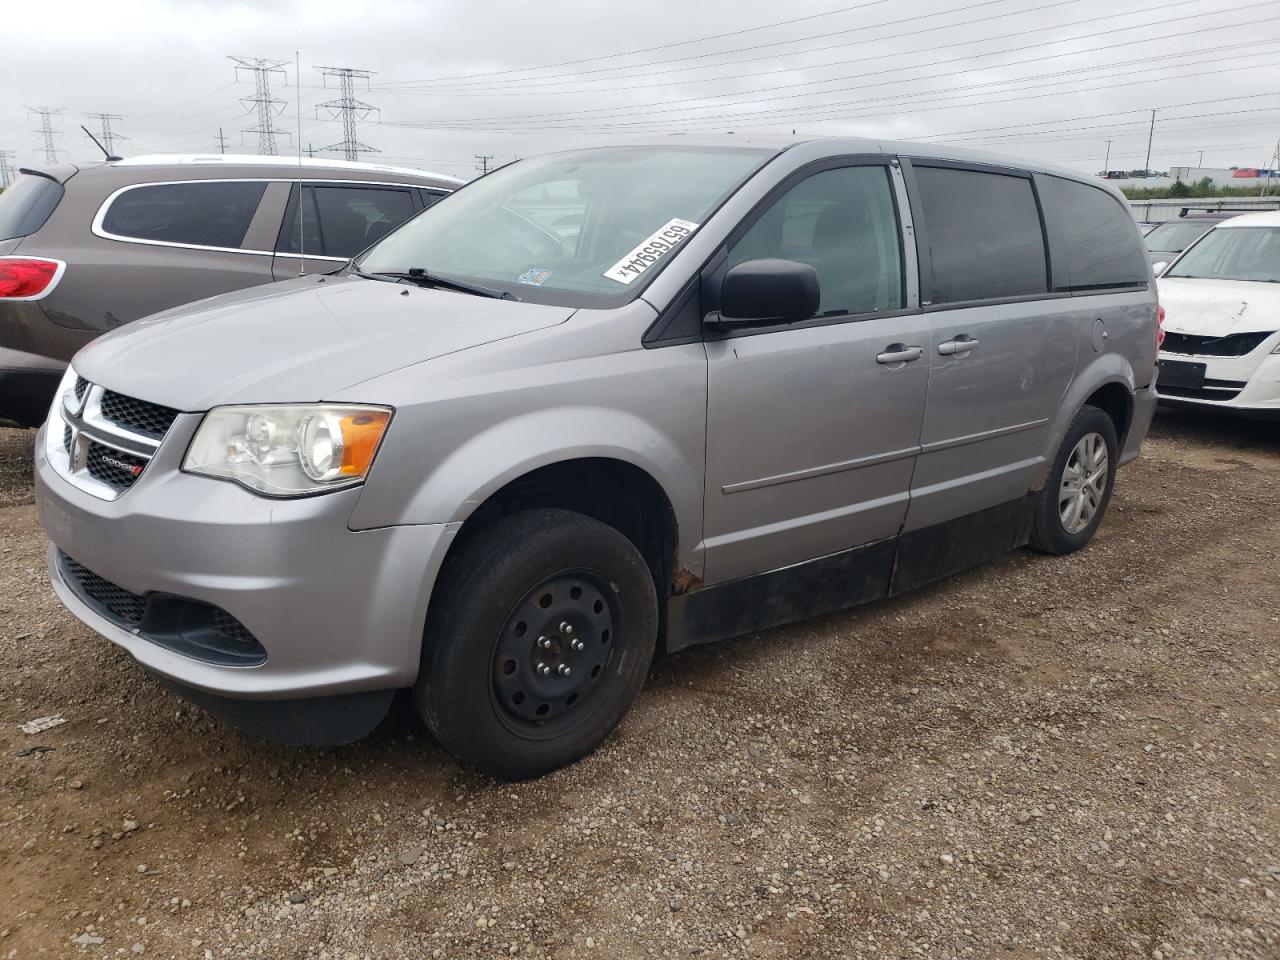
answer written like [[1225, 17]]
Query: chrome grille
[[107, 438], [149, 418]]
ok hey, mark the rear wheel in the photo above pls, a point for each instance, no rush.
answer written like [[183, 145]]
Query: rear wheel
[[538, 640], [1078, 490]]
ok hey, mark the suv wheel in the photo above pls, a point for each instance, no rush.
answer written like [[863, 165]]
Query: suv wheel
[[537, 642], [1078, 490]]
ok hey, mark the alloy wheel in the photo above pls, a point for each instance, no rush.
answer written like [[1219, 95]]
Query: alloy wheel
[[1083, 483]]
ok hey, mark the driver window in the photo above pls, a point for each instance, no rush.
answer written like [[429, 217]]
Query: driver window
[[842, 223]]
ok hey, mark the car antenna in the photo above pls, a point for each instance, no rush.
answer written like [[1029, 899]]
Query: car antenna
[[297, 103], [109, 156]]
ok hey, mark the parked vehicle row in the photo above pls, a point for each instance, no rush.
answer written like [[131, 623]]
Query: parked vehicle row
[[596, 404], [87, 248], [1222, 344]]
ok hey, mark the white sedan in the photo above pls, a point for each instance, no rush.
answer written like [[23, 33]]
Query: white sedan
[[1222, 320]]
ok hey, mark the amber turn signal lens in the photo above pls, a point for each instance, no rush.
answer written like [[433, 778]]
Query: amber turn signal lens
[[361, 435]]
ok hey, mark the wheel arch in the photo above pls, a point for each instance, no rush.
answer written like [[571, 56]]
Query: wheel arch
[[1108, 383]]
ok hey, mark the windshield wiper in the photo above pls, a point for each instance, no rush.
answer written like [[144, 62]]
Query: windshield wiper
[[422, 278]]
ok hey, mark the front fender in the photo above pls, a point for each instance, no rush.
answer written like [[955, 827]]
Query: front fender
[[507, 451]]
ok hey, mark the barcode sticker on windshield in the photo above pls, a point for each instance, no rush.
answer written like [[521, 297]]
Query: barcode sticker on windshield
[[662, 242]]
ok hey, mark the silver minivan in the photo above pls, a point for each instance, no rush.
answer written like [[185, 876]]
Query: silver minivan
[[596, 404]]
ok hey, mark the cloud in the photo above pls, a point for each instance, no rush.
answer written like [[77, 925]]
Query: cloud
[[1053, 80]]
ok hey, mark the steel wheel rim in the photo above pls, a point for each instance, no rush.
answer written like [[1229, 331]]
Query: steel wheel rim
[[1083, 483], [554, 653]]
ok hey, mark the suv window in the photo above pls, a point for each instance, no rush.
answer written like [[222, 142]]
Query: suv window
[[341, 220], [26, 205], [841, 222], [1103, 248], [212, 214], [985, 239]]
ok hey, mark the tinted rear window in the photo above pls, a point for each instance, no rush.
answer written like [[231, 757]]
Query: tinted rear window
[[26, 204], [204, 214], [985, 239], [340, 221], [1103, 246]]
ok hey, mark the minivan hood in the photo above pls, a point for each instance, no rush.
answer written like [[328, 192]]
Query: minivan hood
[[1218, 308], [297, 341]]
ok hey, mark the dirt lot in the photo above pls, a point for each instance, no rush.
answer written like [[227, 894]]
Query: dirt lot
[[1043, 757]]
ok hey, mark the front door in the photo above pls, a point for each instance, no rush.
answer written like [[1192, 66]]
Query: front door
[[812, 428]]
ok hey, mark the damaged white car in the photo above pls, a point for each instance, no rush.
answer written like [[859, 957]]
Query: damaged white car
[[1222, 320]]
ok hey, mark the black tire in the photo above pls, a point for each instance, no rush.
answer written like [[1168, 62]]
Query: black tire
[[1048, 533], [480, 689]]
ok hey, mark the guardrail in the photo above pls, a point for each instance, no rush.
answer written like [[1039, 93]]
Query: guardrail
[[1158, 211]]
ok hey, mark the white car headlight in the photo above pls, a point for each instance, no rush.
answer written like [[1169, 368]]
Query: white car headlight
[[288, 451]]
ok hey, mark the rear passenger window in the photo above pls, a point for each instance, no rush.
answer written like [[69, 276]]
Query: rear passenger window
[[340, 221], [842, 222], [985, 239], [1103, 246], [203, 214]]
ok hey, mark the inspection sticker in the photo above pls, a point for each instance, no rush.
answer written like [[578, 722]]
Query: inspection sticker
[[535, 276], [650, 251]]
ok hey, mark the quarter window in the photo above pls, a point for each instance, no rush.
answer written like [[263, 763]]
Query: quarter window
[[841, 222], [985, 238], [214, 214], [340, 221], [1103, 246]]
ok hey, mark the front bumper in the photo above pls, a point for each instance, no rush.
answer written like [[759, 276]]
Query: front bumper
[[1257, 379], [338, 611]]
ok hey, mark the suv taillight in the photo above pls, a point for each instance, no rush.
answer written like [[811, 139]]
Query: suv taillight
[[1159, 327], [28, 278]]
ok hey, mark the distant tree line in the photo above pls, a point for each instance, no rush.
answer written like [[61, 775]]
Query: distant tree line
[[1204, 187]]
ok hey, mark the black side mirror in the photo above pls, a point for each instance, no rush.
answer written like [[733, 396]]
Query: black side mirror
[[768, 291]]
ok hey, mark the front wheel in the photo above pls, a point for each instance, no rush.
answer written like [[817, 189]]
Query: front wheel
[[1076, 495], [538, 640]]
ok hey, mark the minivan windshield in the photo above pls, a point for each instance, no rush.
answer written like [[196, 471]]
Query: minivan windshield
[[581, 229], [26, 204], [1233, 253]]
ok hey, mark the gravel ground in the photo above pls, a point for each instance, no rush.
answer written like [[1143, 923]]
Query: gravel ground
[[1070, 757]]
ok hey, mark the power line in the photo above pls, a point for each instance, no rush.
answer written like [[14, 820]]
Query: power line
[[818, 36], [752, 96], [106, 135], [936, 99], [6, 172], [262, 102], [222, 142], [662, 46], [482, 162], [47, 134], [349, 109], [896, 56]]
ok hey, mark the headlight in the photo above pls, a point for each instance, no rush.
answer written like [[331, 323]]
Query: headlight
[[288, 451]]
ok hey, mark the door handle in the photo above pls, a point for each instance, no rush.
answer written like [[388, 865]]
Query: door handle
[[899, 353], [961, 344]]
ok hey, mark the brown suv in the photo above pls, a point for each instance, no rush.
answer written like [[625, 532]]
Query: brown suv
[[86, 248]]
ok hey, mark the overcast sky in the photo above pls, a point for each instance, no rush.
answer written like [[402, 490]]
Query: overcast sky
[[1052, 79]]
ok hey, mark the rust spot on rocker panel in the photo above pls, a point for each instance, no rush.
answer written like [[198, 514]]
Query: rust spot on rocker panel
[[685, 581]]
